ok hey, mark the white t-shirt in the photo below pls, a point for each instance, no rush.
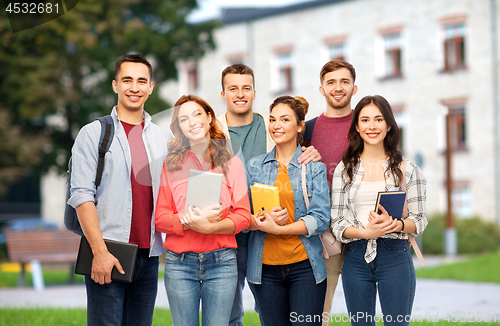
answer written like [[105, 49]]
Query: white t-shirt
[[365, 199]]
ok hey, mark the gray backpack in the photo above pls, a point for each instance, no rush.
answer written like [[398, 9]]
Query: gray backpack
[[105, 140]]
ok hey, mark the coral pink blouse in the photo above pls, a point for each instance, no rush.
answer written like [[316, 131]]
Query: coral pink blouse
[[172, 198]]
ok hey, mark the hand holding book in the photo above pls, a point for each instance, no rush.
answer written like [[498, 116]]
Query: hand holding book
[[264, 222], [382, 214], [279, 215], [380, 224]]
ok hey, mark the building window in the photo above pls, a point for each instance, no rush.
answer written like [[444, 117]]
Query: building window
[[454, 47], [192, 75], [336, 51], [392, 48], [237, 58], [457, 113], [335, 48], [458, 128], [461, 199], [285, 71]]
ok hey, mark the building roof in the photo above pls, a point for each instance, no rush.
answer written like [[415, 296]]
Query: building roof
[[238, 15]]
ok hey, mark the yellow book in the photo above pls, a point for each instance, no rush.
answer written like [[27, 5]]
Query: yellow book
[[264, 196]]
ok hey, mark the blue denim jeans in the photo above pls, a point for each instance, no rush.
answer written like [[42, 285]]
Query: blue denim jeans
[[289, 295], [391, 273], [120, 303], [209, 276], [238, 310]]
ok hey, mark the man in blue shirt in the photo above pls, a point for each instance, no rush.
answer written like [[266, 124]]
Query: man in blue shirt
[[122, 207]]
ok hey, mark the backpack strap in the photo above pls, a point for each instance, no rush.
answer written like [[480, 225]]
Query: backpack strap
[[304, 186], [411, 238], [106, 138], [309, 129], [402, 167]]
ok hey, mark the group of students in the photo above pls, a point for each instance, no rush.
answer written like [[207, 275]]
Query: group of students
[[347, 155]]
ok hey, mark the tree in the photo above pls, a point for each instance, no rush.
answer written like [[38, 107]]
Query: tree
[[56, 77]]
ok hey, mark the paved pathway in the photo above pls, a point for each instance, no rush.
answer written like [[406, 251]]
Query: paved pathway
[[434, 299]]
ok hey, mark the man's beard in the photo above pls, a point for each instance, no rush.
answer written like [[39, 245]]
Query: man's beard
[[339, 105]]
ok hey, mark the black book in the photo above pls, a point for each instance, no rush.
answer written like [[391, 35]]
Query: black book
[[124, 252]]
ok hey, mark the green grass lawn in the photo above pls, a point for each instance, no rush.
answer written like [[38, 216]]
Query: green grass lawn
[[55, 317], [483, 268], [50, 277]]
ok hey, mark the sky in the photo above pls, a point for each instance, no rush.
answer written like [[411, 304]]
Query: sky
[[209, 9]]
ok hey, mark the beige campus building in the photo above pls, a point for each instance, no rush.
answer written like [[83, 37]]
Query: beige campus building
[[427, 57]]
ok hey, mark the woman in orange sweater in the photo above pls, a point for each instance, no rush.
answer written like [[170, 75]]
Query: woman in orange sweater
[[201, 248]]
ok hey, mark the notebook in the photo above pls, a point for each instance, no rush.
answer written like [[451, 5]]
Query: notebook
[[264, 196], [203, 189], [392, 201], [124, 252]]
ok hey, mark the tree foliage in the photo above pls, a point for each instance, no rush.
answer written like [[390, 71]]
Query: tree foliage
[[56, 77]]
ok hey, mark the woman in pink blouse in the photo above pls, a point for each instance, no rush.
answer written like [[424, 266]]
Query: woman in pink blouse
[[201, 248]]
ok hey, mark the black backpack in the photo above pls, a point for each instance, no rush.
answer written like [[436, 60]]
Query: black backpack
[[105, 140]]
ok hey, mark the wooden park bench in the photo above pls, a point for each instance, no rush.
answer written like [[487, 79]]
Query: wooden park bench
[[39, 246]]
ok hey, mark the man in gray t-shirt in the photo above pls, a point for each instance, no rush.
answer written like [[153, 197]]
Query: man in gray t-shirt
[[245, 136]]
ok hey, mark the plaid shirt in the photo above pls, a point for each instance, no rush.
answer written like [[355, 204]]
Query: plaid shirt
[[344, 215]]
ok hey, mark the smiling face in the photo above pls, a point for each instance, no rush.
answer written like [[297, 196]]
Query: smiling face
[[338, 88], [283, 125], [194, 123], [133, 86], [372, 126], [238, 93]]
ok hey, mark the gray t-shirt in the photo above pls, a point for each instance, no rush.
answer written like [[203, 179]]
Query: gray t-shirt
[[251, 138]]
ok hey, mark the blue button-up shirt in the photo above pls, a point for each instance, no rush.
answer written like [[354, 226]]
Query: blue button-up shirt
[[114, 195], [264, 169]]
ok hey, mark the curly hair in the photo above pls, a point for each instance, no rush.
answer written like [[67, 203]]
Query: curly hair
[[356, 144], [178, 147]]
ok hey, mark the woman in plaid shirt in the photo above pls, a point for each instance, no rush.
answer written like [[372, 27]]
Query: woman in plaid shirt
[[377, 250]]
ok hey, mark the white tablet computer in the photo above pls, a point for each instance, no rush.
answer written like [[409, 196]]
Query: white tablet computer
[[203, 189]]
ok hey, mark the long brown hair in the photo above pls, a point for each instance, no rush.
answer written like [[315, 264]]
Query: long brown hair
[[178, 147], [356, 144]]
